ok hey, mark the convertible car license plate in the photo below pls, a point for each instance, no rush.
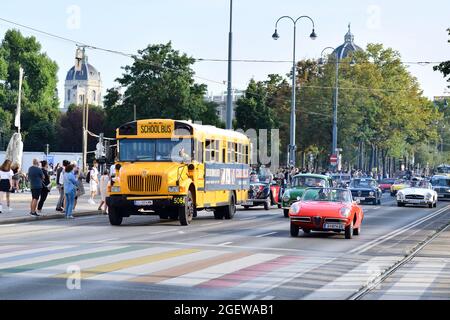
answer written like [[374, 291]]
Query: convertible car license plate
[[334, 226], [415, 201], [360, 198], [143, 203]]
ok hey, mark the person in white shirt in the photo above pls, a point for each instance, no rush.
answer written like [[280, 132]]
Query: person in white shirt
[[104, 182], [93, 182], [6, 175]]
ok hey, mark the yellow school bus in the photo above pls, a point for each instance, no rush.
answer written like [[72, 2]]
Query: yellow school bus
[[176, 168]]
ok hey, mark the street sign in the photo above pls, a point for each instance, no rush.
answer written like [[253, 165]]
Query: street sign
[[333, 159]]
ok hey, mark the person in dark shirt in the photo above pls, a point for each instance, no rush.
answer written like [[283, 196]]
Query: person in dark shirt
[[36, 179], [45, 186]]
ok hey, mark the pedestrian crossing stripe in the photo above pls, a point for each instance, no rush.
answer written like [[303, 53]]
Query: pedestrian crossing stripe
[[189, 267], [68, 257], [249, 273], [110, 267], [200, 276]]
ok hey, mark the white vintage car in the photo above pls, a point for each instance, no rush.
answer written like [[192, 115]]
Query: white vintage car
[[419, 192]]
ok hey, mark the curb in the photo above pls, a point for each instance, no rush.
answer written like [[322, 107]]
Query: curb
[[49, 217]]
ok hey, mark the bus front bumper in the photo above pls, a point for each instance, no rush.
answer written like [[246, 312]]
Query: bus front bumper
[[134, 203]]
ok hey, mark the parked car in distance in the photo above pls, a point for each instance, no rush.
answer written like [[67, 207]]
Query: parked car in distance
[[386, 184], [301, 182], [441, 184], [419, 192], [366, 190], [342, 180], [326, 209], [399, 184]]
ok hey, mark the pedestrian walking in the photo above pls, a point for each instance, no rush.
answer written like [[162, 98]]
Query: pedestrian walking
[[93, 181], [60, 185], [6, 175], [46, 186], [104, 182], [70, 188], [36, 179], [15, 178], [79, 175]]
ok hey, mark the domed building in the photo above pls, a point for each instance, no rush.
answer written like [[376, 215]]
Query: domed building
[[349, 46], [83, 84]]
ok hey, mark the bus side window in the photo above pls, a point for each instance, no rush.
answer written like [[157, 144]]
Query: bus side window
[[208, 155], [246, 154], [223, 155], [199, 152]]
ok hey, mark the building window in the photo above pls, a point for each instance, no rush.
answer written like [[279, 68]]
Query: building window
[[94, 95], [68, 95]]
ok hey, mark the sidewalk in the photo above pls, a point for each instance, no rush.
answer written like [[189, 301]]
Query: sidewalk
[[20, 203]]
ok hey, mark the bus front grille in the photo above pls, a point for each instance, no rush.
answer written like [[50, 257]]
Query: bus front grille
[[147, 184]]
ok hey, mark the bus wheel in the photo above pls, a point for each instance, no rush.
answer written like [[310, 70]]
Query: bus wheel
[[186, 212], [230, 210], [115, 216]]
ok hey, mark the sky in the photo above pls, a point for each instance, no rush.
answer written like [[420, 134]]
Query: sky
[[199, 28]]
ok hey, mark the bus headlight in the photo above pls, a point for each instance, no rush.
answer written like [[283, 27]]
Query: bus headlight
[[115, 189], [174, 189]]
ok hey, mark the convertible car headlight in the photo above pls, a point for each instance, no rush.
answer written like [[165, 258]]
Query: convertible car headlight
[[371, 193], [428, 196], [345, 212], [294, 209], [286, 196]]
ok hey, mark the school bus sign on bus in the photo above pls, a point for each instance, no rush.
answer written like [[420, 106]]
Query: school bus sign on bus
[[176, 168]]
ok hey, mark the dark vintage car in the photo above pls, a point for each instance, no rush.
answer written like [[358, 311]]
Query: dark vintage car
[[441, 184], [366, 190], [263, 191], [341, 180]]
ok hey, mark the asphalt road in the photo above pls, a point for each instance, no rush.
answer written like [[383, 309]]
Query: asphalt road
[[249, 257]]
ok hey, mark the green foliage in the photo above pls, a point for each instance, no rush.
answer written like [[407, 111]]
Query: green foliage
[[39, 99], [160, 83], [444, 67]]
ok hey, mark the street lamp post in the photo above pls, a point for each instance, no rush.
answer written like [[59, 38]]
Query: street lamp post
[[275, 36], [336, 98], [229, 87]]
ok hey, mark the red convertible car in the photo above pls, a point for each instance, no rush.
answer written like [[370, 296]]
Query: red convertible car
[[326, 209]]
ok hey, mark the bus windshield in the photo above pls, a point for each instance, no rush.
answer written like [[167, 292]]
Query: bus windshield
[[154, 150]]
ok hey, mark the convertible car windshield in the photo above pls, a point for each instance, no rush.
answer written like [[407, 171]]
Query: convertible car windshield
[[308, 182], [363, 183], [327, 195]]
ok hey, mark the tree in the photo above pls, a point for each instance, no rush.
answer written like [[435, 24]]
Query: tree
[[70, 130], [160, 83], [252, 110], [444, 67], [39, 98]]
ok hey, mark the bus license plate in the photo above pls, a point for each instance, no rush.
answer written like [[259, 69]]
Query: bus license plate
[[334, 226], [143, 203]]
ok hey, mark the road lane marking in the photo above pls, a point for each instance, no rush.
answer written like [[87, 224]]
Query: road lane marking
[[225, 244], [247, 274], [415, 278], [178, 271], [198, 277], [70, 255], [266, 234], [382, 239], [110, 267], [353, 279]]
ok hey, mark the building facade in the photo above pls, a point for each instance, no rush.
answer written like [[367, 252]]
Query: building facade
[[221, 100], [83, 84]]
